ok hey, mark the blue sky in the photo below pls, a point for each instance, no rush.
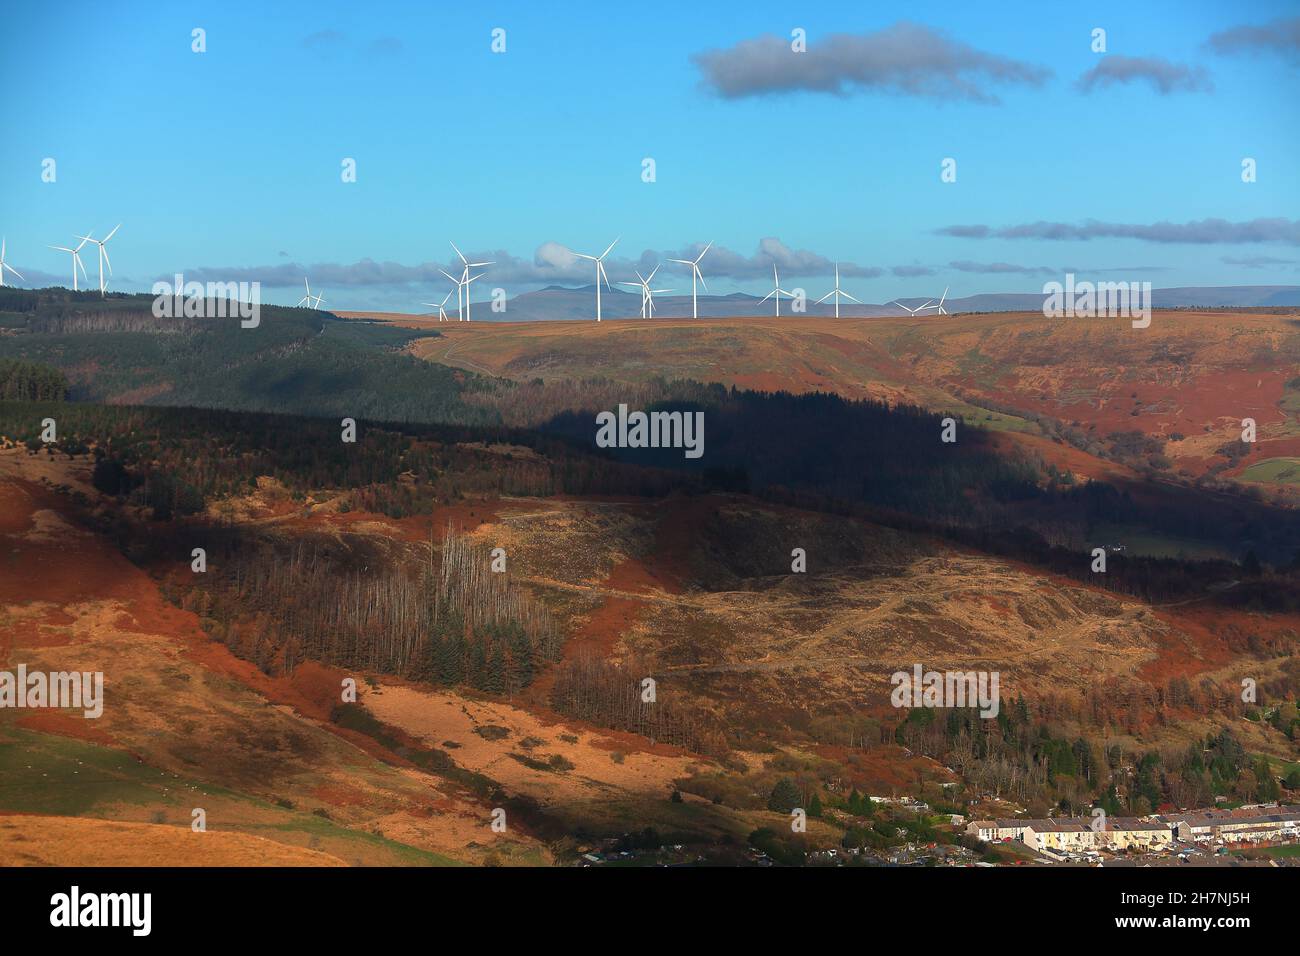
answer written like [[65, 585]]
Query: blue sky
[[226, 165]]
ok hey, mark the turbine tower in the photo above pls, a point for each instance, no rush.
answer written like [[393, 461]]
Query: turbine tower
[[837, 292], [600, 271], [4, 265], [76, 261], [776, 291], [468, 280], [103, 255], [465, 280], [695, 274]]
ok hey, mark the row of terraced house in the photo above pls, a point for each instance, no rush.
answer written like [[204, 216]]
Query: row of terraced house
[[1151, 833]]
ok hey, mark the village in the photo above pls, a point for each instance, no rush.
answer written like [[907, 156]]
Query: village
[[1266, 835], [1191, 837]]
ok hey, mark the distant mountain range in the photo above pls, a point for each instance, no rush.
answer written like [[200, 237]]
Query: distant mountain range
[[559, 302]]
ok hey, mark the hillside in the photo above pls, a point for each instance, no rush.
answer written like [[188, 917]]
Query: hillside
[[115, 351], [762, 674], [330, 560], [1185, 383]]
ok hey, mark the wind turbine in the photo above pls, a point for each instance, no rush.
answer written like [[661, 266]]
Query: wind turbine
[[647, 293], [837, 292], [442, 312], [4, 265], [600, 272], [103, 254], [776, 291], [913, 311], [942, 310], [76, 261], [695, 274], [313, 301], [465, 280]]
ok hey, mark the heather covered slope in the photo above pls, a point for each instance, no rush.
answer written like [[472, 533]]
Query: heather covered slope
[[186, 724], [1184, 384], [764, 673]]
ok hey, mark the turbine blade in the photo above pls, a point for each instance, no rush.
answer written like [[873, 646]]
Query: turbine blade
[[113, 233], [609, 247], [826, 296], [704, 250], [847, 296], [104, 252]]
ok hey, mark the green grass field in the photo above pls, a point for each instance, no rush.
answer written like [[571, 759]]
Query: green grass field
[[1290, 850], [1275, 470], [1144, 543]]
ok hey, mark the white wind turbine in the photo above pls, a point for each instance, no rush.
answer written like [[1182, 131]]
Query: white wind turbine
[[647, 293], [776, 291], [942, 310], [695, 274], [76, 261], [313, 301], [465, 280], [837, 292], [103, 254], [600, 271], [913, 311], [4, 265], [442, 312]]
